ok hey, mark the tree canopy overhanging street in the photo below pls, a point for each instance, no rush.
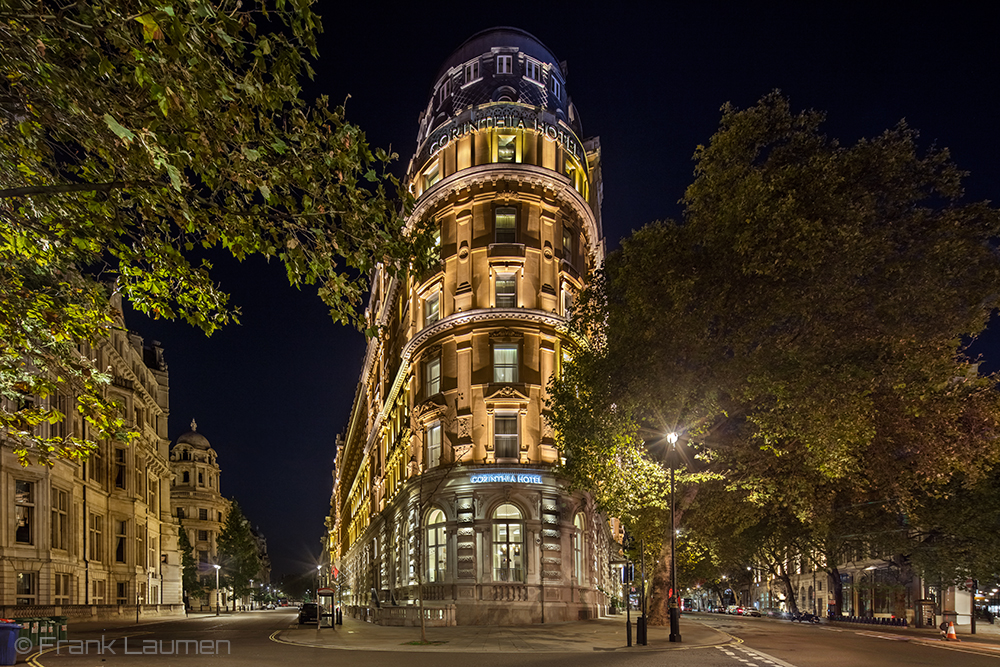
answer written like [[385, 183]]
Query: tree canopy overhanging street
[[133, 137], [802, 326]]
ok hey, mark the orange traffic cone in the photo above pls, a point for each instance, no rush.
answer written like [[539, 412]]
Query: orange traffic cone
[[951, 636]]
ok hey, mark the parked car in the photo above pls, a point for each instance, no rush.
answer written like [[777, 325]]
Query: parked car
[[751, 611], [734, 610], [308, 613], [270, 605]]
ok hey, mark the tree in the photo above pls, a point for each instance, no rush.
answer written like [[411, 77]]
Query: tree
[[190, 581], [238, 553], [134, 135], [802, 325]]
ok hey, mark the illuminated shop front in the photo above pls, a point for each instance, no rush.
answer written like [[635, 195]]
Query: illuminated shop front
[[446, 474]]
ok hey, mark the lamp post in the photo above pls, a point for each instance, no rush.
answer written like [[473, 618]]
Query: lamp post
[[217, 568], [675, 612]]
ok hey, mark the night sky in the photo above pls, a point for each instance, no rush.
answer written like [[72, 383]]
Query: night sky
[[272, 393]]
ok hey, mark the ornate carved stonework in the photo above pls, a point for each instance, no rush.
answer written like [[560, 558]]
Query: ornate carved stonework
[[505, 333]]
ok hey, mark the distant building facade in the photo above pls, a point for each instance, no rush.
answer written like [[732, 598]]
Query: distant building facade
[[446, 473], [197, 503], [91, 538]]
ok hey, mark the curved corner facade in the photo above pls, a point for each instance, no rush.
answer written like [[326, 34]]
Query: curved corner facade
[[446, 483]]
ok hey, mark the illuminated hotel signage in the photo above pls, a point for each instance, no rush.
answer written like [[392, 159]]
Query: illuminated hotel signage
[[504, 477], [504, 116]]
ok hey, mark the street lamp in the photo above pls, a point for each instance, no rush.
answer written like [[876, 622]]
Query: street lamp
[[675, 612], [217, 568]]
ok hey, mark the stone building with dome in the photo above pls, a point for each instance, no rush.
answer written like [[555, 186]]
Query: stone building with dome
[[197, 503], [446, 476]]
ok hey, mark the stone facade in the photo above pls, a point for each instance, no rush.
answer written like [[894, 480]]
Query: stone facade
[[197, 503], [97, 533], [446, 475]]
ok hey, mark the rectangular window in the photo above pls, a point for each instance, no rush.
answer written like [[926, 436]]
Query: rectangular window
[[505, 64], [180, 512], [432, 376], [471, 71], [120, 468], [97, 592], [140, 544], [61, 588], [151, 553], [24, 512], [445, 90], [567, 239], [505, 444], [505, 362], [96, 537], [121, 535], [60, 519], [26, 591], [567, 302], [96, 465], [203, 514], [121, 590], [153, 496], [202, 556], [555, 87], [532, 69], [506, 289], [506, 147], [432, 175], [505, 224], [203, 536], [432, 309], [434, 445]]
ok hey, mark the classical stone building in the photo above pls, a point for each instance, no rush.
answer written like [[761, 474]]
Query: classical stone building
[[447, 471], [197, 503], [93, 539]]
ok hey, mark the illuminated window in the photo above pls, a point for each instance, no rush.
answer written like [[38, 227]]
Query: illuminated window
[[471, 71], [26, 588], [508, 539], [432, 175], [506, 148], [505, 362], [434, 445], [505, 64], [567, 238], [24, 512], [432, 309], [578, 524], [505, 225], [506, 290], [432, 376], [437, 554], [567, 302], [505, 438], [532, 69]]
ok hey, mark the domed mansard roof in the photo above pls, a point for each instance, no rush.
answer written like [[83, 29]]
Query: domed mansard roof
[[501, 64], [193, 438]]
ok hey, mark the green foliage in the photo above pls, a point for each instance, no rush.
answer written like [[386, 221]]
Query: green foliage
[[238, 553], [803, 325], [136, 134]]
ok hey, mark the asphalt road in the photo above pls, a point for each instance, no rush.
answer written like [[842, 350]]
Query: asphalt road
[[248, 639]]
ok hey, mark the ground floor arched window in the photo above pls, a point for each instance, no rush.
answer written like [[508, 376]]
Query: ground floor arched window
[[508, 543], [437, 549]]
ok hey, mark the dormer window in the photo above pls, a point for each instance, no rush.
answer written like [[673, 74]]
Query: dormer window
[[471, 71], [533, 70], [505, 64], [555, 87], [444, 91]]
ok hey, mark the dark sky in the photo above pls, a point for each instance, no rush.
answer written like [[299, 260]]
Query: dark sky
[[272, 393]]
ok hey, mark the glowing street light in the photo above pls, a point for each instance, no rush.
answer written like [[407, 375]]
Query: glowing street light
[[217, 568], [675, 612]]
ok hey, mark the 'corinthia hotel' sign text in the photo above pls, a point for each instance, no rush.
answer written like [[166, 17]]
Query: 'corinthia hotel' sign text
[[511, 117], [517, 478]]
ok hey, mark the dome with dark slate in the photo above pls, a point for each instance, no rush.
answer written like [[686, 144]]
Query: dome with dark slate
[[193, 438]]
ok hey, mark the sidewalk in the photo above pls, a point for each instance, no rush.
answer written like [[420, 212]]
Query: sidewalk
[[606, 634]]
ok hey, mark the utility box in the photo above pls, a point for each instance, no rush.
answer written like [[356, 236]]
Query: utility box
[[926, 616]]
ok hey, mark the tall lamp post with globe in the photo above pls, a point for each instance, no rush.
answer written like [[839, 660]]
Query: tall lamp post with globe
[[675, 612], [217, 568]]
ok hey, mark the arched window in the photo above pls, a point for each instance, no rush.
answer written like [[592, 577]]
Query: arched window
[[437, 550], [579, 524], [186, 477], [508, 537]]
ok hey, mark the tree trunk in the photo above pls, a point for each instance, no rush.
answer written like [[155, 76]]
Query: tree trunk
[[789, 591], [658, 613], [838, 591]]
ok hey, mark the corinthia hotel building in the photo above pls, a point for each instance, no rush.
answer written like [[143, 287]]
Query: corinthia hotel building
[[447, 471]]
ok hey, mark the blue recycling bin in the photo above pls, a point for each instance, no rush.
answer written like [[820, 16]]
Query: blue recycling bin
[[8, 643]]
